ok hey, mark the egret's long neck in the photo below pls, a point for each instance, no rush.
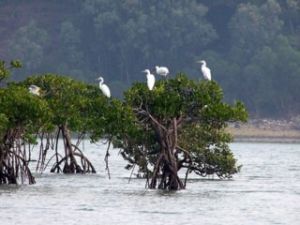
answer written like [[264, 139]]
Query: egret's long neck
[[100, 81], [204, 64]]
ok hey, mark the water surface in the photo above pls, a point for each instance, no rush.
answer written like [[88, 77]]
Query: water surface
[[267, 191]]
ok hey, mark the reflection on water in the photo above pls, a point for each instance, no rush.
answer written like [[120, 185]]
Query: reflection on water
[[265, 192]]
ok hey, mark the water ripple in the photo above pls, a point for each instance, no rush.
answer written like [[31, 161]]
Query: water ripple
[[265, 192]]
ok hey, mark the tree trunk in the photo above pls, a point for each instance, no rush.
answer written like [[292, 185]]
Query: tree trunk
[[13, 162], [72, 166], [166, 164], [69, 161]]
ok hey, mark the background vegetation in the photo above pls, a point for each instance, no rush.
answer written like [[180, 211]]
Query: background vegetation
[[252, 47]]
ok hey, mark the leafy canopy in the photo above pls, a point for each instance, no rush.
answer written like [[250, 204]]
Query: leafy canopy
[[72, 102], [200, 115], [20, 110]]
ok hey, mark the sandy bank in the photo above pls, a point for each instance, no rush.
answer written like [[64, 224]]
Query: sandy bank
[[266, 131]]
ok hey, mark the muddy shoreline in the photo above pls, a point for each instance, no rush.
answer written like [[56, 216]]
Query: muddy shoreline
[[266, 131]]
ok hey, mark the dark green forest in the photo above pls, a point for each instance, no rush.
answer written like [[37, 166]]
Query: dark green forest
[[252, 47]]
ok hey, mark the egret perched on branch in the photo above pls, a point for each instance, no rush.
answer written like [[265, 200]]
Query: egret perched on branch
[[150, 79], [33, 89], [103, 87], [205, 70], [162, 70]]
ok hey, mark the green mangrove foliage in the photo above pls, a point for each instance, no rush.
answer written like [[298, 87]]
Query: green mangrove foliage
[[111, 121], [5, 70], [21, 115], [65, 109], [180, 124], [74, 105]]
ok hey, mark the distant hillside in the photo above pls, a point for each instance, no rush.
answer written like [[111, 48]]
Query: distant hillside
[[15, 14], [253, 48]]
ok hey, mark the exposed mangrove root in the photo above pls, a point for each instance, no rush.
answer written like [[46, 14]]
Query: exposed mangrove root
[[86, 165], [71, 161], [166, 167], [166, 172], [56, 155], [131, 173], [46, 143], [14, 165], [85, 162], [106, 158]]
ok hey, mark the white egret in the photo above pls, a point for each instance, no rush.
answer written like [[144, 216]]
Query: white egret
[[103, 87], [35, 90], [162, 70], [150, 79], [205, 70]]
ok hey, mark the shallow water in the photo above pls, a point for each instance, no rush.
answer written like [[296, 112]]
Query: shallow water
[[267, 191]]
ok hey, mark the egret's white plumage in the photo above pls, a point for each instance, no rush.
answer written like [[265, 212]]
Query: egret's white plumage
[[150, 79], [33, 89], [205, 70], [161, 70], [103, 87]]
